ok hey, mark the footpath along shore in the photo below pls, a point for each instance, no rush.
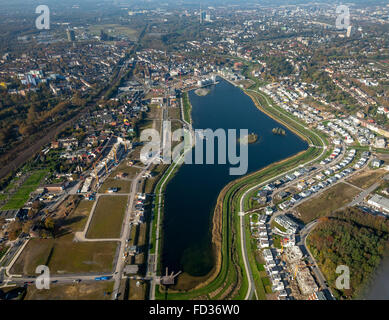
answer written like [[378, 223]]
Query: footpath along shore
[[217, 236]]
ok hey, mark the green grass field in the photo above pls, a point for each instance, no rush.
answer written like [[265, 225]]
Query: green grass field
[[131, 172], [114, 30], [124, 186], [187, 108], [19, 198], [63, 255], [77, 219], [108, 217]]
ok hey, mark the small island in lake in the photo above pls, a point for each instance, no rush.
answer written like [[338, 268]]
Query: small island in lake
[[251, 138], [279, 131], [202, 92]]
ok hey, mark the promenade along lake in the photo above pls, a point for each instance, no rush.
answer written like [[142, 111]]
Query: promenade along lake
[[191, 195]]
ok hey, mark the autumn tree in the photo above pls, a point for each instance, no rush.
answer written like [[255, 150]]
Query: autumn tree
[[14, 230]]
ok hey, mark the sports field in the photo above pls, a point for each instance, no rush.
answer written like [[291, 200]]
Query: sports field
[[20, 197]]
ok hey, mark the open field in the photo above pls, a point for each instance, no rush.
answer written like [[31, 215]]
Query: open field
[[124, 186], [155, 112], [149, 124], [174, 113], [330, 200], [62, 255], [367, 178], [131, 172], [19, 198], [150, 183], [71, 216], [135, 156], [81, 291], [141, 238], [114, 30], [108, 217], [3, 251], [175, 126], [135, 292]]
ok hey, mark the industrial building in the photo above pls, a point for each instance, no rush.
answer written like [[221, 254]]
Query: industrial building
[[379, 202]]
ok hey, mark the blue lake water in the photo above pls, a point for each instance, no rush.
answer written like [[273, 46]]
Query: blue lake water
[[191, 195]]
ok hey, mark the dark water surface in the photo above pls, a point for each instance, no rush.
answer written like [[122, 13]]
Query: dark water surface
[[378, 289], [191, 195]]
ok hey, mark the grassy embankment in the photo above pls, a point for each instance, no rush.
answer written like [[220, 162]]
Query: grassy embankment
[[369, 148], [166, 174], [187, 108]]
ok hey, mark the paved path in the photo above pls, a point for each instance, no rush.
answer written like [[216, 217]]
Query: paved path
[[251, 284], [81, 235], [16, 256], [315, 268], [153, 258], [365, 192], [126, 229]]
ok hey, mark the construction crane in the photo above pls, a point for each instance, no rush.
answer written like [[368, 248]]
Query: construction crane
[[297, 268], [116, 159], [97, 176], [100, 158], [283, 242]]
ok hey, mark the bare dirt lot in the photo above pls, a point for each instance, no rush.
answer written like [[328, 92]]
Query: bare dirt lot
[[330, 200], [367, 178], [78, 291], [136, 292], [63, 255]]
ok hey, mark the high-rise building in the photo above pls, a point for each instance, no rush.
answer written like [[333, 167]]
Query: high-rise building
[[349, 31], [71, 35], [202, 15]]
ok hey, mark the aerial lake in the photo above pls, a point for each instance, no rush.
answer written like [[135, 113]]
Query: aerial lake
[[192, 193]]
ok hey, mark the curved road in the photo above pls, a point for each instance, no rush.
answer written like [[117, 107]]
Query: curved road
[[251, 284]]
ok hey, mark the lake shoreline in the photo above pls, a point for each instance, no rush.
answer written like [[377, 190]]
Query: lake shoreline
[[216, 215], [269, 114]]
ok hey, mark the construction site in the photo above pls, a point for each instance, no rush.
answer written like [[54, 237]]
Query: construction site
[[114, 152], [298, 273]]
